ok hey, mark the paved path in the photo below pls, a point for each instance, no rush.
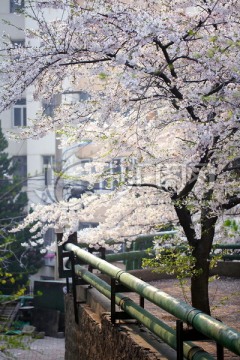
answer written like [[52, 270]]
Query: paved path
[[43, 349]]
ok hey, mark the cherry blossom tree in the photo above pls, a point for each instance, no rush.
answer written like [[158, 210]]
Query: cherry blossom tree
[[162, 80]]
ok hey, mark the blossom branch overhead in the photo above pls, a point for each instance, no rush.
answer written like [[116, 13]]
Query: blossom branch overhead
[[163, 93]]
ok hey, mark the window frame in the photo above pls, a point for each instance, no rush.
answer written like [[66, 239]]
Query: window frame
[[22, 106], [113, 167], [16, 5], [20, 165], [48, 162], [49, 106]]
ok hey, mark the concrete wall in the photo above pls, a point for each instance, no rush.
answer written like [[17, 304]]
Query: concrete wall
[[223, 268], [227, 268]]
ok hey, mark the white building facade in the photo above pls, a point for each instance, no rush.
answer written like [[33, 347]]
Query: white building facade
[[34, 157]]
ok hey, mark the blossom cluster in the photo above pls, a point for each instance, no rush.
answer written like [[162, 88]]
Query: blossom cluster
[[163, 84]]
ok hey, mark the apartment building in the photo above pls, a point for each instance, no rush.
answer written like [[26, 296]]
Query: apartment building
[[33, 156], [36, 159]]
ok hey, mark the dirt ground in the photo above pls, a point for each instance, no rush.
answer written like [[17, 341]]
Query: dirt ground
[[224, 297], [224, 300]]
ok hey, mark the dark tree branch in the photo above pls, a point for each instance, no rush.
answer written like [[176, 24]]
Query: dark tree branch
[[208, 222], [149, 185], [167, 57], [231, 203], [218, 87], [190, 110], [93, 61], [185, 220], [194, 176], [185, 57]]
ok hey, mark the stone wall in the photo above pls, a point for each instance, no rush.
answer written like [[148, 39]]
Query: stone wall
[[96, 338]]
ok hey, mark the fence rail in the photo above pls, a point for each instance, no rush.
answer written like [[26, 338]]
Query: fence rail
[[202, 323], [133, 258]]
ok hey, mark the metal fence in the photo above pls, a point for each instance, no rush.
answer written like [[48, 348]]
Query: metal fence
[[202, 325]]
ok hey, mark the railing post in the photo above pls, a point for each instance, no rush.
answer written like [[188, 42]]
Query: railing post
[[179, 335], [74, 283], [61, 254], [119, 288], [62, 273], [192, 335], [113, 304], [220, 352]]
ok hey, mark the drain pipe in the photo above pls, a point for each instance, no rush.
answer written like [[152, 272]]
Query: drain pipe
[[224, 335]]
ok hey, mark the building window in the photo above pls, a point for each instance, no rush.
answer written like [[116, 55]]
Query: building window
[[18, 43], [50, 105], [16, 5], [20, 168], [72, 97], [48, 162], [20, 113], [84, 96], [112, 176]]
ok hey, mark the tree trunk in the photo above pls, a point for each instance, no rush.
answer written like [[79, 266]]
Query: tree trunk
[[199, 283], [202, 249]]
